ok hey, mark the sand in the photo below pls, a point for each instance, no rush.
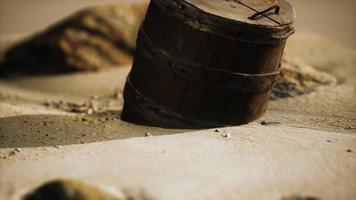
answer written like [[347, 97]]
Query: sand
[[302, 146]]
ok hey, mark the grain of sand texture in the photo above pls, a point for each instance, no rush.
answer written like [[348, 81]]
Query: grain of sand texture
[[302, 147], [306, 147]]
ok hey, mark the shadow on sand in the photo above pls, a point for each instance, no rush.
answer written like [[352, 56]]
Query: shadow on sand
[[49, 130]]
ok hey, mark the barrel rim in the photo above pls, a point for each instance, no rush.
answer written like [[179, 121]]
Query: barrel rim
[[244, 9], [207, 22]]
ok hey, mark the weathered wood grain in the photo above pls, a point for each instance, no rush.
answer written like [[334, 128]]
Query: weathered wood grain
[[192, 69]]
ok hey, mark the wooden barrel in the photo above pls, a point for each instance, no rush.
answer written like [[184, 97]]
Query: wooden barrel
[[206, 63]]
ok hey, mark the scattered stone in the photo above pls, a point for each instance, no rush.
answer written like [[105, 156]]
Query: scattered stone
[[15, 151], [300, 198], [57, 146], [90, 111], [84, 119], [227, 135], [349, 151], [148, 134], [3, 156], [264, 123], [216, 130], [94, 97], [79, 108], [329, 141]]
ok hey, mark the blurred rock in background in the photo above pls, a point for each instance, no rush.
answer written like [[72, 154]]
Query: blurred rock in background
[[92, 39], [78, 190], [298, 78], [71, 190]]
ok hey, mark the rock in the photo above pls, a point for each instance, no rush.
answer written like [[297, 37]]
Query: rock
[[77, 190], [296, 197], [298, 78], [227, 135], [15, 151], [3, 156], [70, 190], [92, 39], [71, 107]]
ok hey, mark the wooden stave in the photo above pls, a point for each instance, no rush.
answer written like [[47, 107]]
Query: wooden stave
[[220, 52]]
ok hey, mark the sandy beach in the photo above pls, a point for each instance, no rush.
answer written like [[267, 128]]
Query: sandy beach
[[302, 148], [298, 152]]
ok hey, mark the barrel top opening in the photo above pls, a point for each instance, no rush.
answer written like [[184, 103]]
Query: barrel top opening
[[242, 10]]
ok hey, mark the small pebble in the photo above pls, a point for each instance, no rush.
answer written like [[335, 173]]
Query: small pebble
[[15, 151], [264, 123], [349, 151], [217, 131], [118, 95], [47, 103], [300, 198], [329, 141], [148, 134], [90, 111], [3, 156], [57, 146], [94, 97], [227, 135], [249, 138]]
